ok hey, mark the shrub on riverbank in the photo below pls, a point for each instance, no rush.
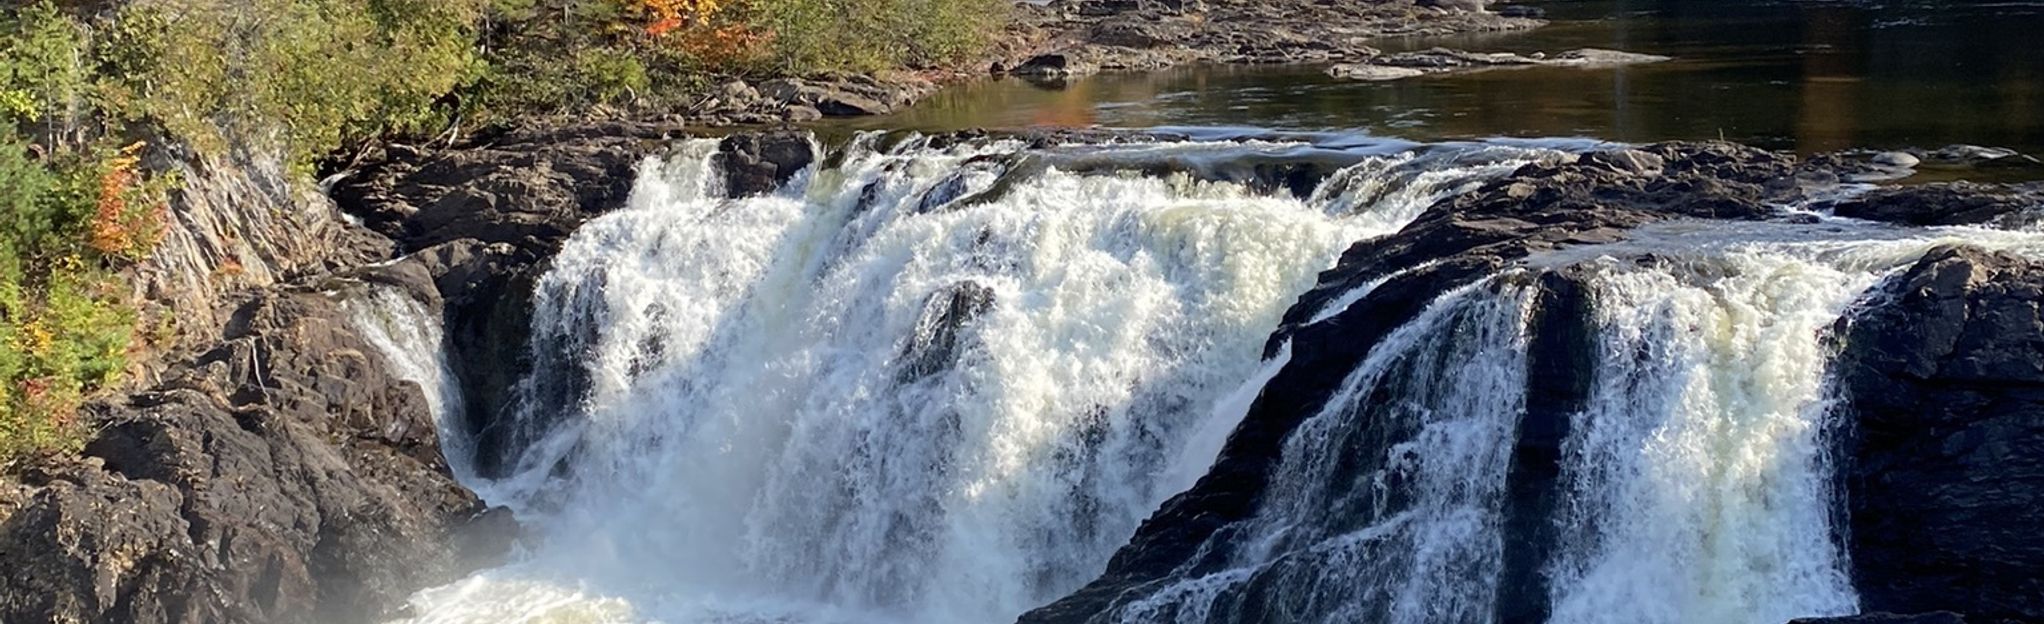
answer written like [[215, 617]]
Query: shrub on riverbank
[[555, 56]]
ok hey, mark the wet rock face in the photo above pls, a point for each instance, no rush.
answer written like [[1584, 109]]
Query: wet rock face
[[759, 163], [1941, 617], [1592, 199], [528, 189], [1945, 370], [1956, 203], [935, 345], [282, 476], [481, 221]]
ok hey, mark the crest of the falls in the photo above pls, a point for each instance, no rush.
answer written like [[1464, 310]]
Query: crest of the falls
[[921, 383]]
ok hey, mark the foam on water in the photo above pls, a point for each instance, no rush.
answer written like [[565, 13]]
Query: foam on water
[[879, 395]]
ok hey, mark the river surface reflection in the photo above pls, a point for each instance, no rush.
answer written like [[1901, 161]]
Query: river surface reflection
[[1805, 75]]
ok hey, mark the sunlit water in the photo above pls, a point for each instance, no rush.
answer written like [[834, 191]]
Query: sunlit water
[[1697, 487], [1811, 76], [872, 398], [878, 395]]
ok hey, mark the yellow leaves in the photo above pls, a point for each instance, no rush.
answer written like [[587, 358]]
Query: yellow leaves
[[17, 103]]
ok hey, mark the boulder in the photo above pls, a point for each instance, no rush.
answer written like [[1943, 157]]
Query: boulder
[[1952, 203], [1944, 445], [759, 163], [285, 475]]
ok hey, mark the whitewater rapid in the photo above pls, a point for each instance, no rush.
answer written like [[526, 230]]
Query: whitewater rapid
[[1696, 483], [884, 393], [943, 381]]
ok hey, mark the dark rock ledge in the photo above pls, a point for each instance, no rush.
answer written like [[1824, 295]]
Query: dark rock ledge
[[283, 475], [1944, 369]]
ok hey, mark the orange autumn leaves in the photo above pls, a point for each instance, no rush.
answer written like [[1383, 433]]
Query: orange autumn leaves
[[665, 16], [122, 226], [692, 26]]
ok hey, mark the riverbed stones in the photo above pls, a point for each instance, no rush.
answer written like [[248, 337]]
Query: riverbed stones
[[1373, 73], [1124, 34], [1443, 61]]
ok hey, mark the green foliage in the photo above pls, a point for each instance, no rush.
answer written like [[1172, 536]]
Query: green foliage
[[551, 56], [77, 209], [812, 36], [42, 67], [319, 74], [64, 332]]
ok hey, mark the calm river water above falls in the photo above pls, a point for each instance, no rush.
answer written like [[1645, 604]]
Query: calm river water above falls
[[1808, 76]]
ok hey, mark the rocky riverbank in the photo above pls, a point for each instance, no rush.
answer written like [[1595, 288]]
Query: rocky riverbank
[[1078, 37], [1073, 37]]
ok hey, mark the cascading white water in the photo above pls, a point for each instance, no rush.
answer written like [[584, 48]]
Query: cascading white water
[[867, 399], [1696, 482], [1698, 485], [409, 336], [1384, 511], [1697, 488]]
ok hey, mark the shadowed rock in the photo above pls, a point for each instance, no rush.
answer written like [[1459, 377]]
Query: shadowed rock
[[283, 476], [757, 164], [1956, 203], [1945, 374]]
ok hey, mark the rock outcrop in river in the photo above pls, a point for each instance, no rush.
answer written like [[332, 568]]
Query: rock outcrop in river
[[1945, 373], [281, 472], [1073, 37]]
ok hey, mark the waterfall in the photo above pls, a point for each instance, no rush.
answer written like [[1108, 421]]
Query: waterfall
[[409, 337], [1384, 510], [931, 382], [1695, 482], [1697, 488]]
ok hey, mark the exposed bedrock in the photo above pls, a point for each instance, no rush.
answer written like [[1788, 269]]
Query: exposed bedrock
[[1955, 203], [1074, 37], [1945, 373], [284, 475]]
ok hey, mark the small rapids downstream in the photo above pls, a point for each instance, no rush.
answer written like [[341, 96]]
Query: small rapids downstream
[[935, 382]]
